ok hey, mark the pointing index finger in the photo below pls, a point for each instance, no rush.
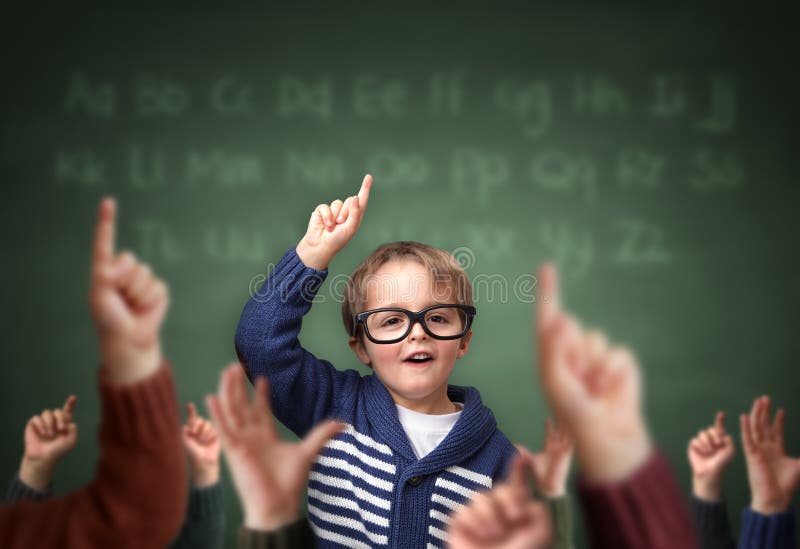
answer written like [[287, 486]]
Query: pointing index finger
[[549, 301], [69, 405], [105, 230], [191, 412], [363, 193], [719, 422]]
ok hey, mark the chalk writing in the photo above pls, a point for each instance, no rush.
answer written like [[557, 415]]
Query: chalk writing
[[557, 170], [98, 100], [529, 101], [296, 96], [81, 166], [374, 97], [716, 170], [642, 243], [160, 96], [231, 96], [477, 173]]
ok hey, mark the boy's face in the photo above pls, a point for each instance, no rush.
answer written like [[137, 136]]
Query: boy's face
[[418, 386]]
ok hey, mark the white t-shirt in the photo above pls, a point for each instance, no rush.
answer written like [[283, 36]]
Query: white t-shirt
[[426, 431]]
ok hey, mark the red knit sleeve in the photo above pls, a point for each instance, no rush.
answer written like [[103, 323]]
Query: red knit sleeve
[[646, 510]]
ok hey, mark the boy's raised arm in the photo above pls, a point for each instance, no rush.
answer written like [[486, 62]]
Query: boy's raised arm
[[304, 388]]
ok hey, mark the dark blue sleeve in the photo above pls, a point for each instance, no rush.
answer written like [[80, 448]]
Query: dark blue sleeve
[[304, 388], [204, 525], [711, 520], [19, 491], [767, 531]]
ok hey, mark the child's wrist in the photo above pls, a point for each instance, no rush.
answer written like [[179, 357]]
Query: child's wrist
[[204, 476], [124, 363], [707, 489], [269, 520], [765, 507], [36, 474], [605, 458], [312, 257], [553, 492]]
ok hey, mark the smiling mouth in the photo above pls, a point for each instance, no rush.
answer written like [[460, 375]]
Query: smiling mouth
[[419, 359]]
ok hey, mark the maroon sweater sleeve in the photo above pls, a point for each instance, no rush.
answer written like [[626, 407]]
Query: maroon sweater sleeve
[[138, 496], [646, 510]]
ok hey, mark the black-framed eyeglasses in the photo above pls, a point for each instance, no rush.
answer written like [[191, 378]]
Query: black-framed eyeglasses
[[392, 324]]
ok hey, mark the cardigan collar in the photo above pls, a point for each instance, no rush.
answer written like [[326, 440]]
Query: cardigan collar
[[474, 427]]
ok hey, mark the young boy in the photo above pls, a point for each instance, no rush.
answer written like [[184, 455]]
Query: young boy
[[414, 449]]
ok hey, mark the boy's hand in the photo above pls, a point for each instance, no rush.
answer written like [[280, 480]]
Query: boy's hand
[[773, 475], [202, 444], [593, 388], [709, 453], [332, 226], [550, 467], [49, 436], [128, 305], [269, 474], [505, 517]]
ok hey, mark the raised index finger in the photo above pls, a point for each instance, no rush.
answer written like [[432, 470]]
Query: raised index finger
[[548, 300], [719, 422], [363, 193], [191, 412], [69, 406], [104, 232]]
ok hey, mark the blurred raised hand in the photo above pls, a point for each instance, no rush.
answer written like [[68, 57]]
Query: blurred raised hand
[[709, 453], [128, 305], [773, 476], [593, 387], [550, 467], [505, 517], [49, 436], [269, 474], [203, 447]]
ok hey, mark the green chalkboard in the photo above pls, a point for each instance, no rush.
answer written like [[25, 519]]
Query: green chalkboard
[[648, 150]]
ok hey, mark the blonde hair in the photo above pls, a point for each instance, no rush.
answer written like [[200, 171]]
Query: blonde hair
[[444, 268]]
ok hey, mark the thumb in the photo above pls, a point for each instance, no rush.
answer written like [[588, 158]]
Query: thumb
[[316, 439]]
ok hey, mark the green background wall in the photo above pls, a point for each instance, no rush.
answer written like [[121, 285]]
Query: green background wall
[[648, 150]]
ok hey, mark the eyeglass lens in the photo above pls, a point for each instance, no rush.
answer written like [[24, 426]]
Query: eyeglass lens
[[441, 321]]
